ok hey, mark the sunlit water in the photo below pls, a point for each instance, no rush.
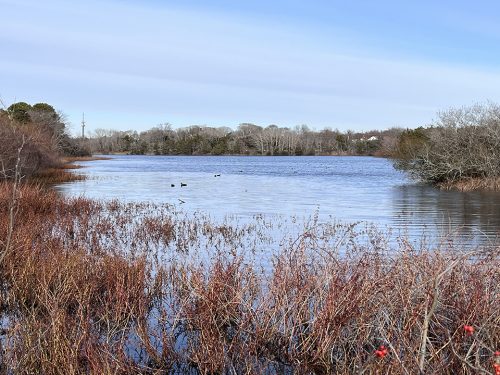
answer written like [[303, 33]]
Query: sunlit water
[[347, 189]]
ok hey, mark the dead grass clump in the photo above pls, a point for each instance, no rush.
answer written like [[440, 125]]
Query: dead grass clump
[[71, 166], [219, 316], [158, 230], [471, 184], [72, 159], [52, 176], [74, 311]]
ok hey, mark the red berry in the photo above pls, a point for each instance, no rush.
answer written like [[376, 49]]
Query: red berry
[[469, 329], [383, 349], [497, 353]]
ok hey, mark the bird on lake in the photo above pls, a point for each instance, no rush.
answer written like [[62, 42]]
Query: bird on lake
[[183, 184], [180, 200], [216, 175], [172, 185]]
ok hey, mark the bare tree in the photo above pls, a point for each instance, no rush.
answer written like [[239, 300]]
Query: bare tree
[[461, 144]]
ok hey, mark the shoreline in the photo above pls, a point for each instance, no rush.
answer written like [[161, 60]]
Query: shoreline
[[64, 172], [253, 155]]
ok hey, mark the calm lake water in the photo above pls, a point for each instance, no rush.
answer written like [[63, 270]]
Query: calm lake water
[[349, 189]]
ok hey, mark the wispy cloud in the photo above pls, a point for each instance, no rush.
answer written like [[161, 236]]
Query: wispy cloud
[[199, 65]]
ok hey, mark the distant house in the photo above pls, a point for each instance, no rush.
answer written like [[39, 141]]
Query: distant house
[[363, 139]]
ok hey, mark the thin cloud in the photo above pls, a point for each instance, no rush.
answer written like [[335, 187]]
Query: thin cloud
[[198, 66]]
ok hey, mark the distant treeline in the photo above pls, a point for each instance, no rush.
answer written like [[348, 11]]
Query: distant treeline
[[247, 139]]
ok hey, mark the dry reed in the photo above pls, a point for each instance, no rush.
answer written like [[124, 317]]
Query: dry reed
[[471, 184], [52, 176], [110, 288]]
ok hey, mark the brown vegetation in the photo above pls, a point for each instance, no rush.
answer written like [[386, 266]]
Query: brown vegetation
[[470, 184], [460, 150], [74, 159], [62, 171], [29, 148], [52, 176], [109, 288], [33, 142]]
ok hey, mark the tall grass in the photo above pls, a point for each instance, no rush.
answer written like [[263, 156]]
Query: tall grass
[[73, 159], [110, 288], [486, 184], [52, 176]]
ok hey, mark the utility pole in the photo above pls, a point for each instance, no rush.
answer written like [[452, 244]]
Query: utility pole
[[83, 125]]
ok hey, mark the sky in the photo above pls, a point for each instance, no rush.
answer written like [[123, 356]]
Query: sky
[[355, 65]]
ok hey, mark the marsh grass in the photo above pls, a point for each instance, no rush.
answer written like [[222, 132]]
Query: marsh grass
[[59, 175], [75, 159], [62, 171], [471, 184], [93, 287]]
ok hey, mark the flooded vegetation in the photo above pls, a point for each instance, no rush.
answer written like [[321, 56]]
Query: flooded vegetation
[[113, 287], [347, 189]]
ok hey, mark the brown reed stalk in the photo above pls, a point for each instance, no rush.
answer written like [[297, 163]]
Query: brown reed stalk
[[118, 288]]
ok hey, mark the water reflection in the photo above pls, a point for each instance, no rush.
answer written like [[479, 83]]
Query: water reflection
[[469, 215]]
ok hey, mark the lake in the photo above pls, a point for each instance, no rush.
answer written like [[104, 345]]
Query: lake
[[347, 189]]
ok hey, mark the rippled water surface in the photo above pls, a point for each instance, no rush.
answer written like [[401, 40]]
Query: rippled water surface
[[349, 189]]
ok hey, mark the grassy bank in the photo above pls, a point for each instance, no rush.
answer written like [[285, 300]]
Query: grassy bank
[[76, 159], [51, 176], [63, 171], [112, 288], [471, 184]]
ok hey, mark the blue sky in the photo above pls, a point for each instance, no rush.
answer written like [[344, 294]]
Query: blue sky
[[342, 64]]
